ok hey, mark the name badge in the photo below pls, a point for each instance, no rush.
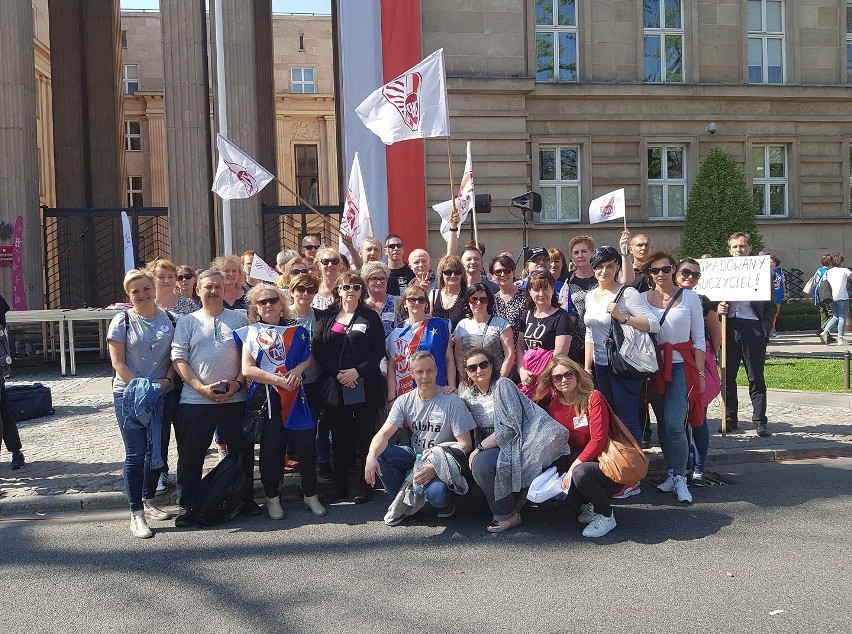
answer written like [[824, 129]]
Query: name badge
[[581, 421], [388, 316], [359, 327]]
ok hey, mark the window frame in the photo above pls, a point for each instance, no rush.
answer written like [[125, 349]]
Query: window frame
[[849, 42], [130, 136], [307, 175], [764, 36], [133, 192], [663, 32], [127, 80], [555, 29], [302, 82], [559, 184], [665, 181], [768, 181]]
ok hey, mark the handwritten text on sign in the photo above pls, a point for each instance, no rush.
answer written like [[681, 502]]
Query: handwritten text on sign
[[736, 279]]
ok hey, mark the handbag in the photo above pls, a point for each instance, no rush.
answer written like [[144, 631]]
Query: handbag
[[622, 459], [253, 424], [644, 350]]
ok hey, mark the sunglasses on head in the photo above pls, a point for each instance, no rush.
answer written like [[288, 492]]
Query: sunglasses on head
[[606, 250], [310, 247], [690, 273], [395, 245], [266, 301], [184, 277], [350, 287], [304, 289], [656, 270], [478, 300], [416, 300], [481, 365], [298, 271], [334, 261], [452, 273], [558, 378]]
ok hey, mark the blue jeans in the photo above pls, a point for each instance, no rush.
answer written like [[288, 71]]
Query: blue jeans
[[140, 482], [670, 408], [623, 396], [839, 310], [395, 462], [700, 445]]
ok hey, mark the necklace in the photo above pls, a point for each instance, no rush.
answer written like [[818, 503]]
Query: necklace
[[148, 329]]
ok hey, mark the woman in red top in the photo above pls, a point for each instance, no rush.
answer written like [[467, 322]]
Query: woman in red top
[[570, 397]]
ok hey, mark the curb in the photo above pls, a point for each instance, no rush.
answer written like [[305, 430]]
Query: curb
[[746, 456]]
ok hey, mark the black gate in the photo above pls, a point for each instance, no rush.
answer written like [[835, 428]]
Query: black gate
[[83, 254], [284, 226]]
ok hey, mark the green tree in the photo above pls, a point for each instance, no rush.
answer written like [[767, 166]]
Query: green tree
[[719, 204]]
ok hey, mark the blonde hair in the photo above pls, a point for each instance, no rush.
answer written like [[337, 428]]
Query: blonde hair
[[256, 290], [585, 386], [161, 263], [370, 268], [136, 274], [229, 258]]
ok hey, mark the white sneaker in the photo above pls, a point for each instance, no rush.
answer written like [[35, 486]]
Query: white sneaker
[[587, 513], [273, 507], [681, 490], [154, 513], [823, 336], [668, 485], [840, 342], [138, 525], [600, 526], [698, 477]]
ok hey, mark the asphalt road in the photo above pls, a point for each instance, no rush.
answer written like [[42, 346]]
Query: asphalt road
[[778, 539]]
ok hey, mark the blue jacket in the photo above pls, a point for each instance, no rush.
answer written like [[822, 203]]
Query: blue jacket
[[143, 403]]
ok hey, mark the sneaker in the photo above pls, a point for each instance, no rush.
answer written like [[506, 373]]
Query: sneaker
[[162, 483], [763, 430], [600, 525], [273, 508], [449, 510], [138, 525], [18, 460], [681, 490], [668, 485], [823, 336], [396, 521], [627, 492], [152, 512], [587, 513], [841, 342], [183, 519], [698, 478], [646, 444], [504, 525]]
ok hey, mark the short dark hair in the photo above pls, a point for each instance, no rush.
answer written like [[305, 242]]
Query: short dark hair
[[392, 235], [473, 289], [534, 280]]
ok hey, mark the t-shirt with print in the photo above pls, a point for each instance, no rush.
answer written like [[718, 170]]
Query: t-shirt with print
[[432, 422], [147, 345], [399, 279], [481, 407], [541, 332]]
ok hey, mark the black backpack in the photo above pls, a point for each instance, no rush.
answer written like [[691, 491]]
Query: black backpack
[[220, 494], [824, 293]]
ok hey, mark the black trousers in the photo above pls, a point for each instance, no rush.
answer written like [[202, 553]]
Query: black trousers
[[194, 429], [352, 430], [746, 344], [274, 438], [589, 484], [9, 434], [170, 405]]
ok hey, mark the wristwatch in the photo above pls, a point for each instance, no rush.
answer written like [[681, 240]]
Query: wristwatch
[[480, 448], [702, 374]]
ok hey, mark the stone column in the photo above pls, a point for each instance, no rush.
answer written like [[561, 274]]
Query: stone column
[[157, 161], [187, 131], [18, 144]]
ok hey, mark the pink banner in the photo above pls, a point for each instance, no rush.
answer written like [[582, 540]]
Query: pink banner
[[19, 297]]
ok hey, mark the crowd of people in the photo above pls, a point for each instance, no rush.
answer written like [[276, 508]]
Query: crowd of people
[[469, 378]]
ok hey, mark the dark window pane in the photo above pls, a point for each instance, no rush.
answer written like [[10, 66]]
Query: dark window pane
[[776, 162], [673, 18], [544, 12], [544, 57], [655, 201], [849, 18], [568, 163], [547, 164], [674, 163], [651, 14], [567, 57], [655, 163], [757, 197], [674, 58], [567, 13], [849, 63], [776, 200], [652, 59]]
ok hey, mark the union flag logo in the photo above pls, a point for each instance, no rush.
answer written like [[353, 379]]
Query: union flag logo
[[404, 93], [272, 345], [608, 207], [248, 181]]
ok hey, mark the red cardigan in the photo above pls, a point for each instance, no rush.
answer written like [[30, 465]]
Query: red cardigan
[[590, 439], [664, 375]]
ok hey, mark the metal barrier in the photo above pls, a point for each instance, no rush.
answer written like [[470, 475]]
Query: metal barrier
[[284, 226]]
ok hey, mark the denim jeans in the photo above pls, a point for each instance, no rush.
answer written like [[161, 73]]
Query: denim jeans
[[623, 396], [670, 408], [485, 472], [140, 482], [395, 462], [839, 311]]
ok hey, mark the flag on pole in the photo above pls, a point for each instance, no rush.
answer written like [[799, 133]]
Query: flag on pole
[[260, 270], [464, 201], [355, 221], [19, 295], [127, 240], [238, 175], [412, 106], [607, 207]]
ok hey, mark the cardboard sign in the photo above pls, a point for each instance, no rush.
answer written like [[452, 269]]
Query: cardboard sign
[[742, 279]]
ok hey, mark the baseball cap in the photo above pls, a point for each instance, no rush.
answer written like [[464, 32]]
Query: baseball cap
[[535, 252]]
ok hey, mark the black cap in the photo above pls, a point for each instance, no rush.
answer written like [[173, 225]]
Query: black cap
[[534, 252], [604, 254]]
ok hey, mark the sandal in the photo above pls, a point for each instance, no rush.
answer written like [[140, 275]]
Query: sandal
[[504, 525]]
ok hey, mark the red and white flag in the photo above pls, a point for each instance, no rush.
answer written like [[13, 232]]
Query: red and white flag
[[355, 221], [608, 207], [412, 106], [238, 175], [464, 201], [260, 270]]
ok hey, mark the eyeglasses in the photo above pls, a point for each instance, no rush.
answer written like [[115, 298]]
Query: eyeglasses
[[298, 271], [310, 247], [266, 301], [501, 272], [452, 273], [304, 289], [395, 245], [350, 287], [558, 378], [334, 261], [184, 277], [656, 270], [690, 273], [478, 300], [481, 365], [416, 300], [377, 280]]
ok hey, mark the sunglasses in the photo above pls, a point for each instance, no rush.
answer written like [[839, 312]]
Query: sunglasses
[[501, 272], [310, 247], [266, 301], [334, 261], [606, 250], [298, 271], [690, 273], [377, 280], [481, 365], [656, 270], [478, 300], [395, 245], [351, 287], [304, 289], [558, 378], [184, 277], [452, 273], [416, 300]]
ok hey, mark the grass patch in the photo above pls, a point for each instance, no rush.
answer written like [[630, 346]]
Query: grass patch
[[811, 375]]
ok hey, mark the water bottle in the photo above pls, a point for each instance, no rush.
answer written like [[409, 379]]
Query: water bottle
[[418, 467]]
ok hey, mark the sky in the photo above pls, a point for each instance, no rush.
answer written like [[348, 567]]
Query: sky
[[278, 6]]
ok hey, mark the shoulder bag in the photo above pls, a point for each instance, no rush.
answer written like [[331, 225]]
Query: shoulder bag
[[332, 392], [622, 459], [644, 358]]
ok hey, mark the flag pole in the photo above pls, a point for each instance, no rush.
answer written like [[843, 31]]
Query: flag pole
[[452, 186], [299, 198], [222, 116]]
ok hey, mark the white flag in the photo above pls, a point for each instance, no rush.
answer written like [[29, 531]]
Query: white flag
[[260, 270], [464, 201], [412, 106], [127, 240], [238, 175], [607, 207], [355, 221]]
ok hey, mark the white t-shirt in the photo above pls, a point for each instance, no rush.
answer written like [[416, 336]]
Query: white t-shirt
[[837, 277], [598, 321], [683, 322]]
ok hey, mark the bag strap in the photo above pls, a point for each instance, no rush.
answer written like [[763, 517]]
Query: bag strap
[[669, 307], [616, 300], [346, 337]]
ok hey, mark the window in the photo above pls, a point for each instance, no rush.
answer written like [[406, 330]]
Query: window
[[301, 42], [559, 183], [124, 39], [307, 173], [130, 76], [849, 42], [132, 136], [302, 80], [667, 181], [556, 40], [663, 45], [765, 42], [769, 184], [134, 191]]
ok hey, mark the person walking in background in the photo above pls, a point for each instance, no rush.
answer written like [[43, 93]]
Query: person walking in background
[[837, 277], [779, 289], [826, 262]]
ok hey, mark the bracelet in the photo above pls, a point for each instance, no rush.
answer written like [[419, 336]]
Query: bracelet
[[169, 380], [626, 319], [240, 383], [702, 374], [479, 447]]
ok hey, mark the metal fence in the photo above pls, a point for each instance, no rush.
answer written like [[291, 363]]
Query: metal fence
[[83, 254], [284, 226]]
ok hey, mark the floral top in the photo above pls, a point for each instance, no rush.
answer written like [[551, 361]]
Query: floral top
[[512, 311]]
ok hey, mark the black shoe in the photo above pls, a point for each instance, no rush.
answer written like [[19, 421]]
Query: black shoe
[[324, 471], [763, 431], [365, 494], [250, 508], [183, 519], [646, 444], [730, 427], [334, 496]]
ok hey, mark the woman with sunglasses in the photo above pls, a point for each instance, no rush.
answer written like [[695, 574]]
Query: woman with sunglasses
[[231, 268], [675, 391], [578, 284], [349, 344], [418, 332], [509, 301], [185, 284], [481, 328], [275, 355], [447, 300], [601, 310], [688, 274], [386, 306], [292, 268], [328, 262], [568, 394]]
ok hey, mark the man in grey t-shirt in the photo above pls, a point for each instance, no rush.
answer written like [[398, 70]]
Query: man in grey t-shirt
[[434, 418]]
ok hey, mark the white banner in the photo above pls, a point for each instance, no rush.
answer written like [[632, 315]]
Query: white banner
[[465, 201], [260, 270], [608, 207], [238, 175], [355, 221], [742, 279], [127, 240]]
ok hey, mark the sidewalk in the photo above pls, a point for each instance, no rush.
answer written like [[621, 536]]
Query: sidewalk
[[75, 457]]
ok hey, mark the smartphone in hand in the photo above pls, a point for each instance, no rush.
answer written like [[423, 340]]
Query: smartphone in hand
[[221, 388]]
